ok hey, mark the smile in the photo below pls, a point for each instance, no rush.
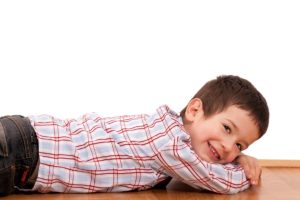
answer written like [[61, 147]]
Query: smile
[[214, 152]]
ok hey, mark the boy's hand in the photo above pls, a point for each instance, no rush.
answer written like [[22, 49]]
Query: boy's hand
[[251, 167]]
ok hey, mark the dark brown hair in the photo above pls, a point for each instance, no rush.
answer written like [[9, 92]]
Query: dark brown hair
[[220, 93]]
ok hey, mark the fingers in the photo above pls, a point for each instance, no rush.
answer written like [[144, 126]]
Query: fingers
[[255, 172], [251, 167]]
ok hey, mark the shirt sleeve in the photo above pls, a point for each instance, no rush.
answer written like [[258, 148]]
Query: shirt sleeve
[[178, 161]]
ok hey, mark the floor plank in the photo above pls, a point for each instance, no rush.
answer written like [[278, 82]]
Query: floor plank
[[277, 183]]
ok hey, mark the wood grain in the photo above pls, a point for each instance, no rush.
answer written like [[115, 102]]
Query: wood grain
[[280, 163]]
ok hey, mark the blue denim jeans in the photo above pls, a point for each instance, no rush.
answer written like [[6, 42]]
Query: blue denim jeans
[[18, 153]]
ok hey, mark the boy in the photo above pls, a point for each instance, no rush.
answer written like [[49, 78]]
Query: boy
[[201, 147]]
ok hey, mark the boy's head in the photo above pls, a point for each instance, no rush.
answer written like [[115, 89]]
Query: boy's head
[[231, 105], [220, 93]]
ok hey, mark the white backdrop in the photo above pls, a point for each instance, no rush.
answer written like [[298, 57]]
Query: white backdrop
[[67, 58]]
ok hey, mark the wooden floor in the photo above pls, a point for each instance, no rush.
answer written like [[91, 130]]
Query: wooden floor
[[278, 183]]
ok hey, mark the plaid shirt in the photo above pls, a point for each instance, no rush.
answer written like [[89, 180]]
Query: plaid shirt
[[136, 152]]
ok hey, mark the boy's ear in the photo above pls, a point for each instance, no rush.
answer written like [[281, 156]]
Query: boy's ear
[[193, 108]]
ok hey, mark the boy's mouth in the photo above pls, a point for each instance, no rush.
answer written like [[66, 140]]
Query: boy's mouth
[[214, 152]]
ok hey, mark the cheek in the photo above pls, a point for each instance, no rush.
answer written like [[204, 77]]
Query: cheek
[[204, 133], [211, 133], [231, 157]]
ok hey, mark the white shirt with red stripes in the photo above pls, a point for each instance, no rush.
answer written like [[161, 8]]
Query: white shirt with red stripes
[[131, 152]]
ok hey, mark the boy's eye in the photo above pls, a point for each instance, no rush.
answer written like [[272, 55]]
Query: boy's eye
[[227, 128], [239, 146]]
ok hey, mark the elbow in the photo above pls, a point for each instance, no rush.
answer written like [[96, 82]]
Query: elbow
[[222, 188], [233, 189]]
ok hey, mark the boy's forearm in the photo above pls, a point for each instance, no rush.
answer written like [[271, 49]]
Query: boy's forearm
[[186, 166], [224, 179]]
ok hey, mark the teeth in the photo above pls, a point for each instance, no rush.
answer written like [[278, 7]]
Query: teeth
[[214, 152]]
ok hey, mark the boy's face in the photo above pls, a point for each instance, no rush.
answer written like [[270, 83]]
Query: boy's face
[[221, 137]]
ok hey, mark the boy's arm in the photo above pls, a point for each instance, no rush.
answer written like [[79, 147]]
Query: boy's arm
[[178, 161]]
